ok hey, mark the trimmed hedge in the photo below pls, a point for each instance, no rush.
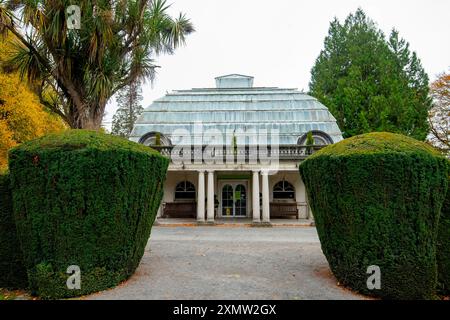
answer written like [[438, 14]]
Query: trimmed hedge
[[443, 247], [376, 199], [84, 198], [12, 272]]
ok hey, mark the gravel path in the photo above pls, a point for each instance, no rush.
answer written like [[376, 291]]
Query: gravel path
[[231, 263]]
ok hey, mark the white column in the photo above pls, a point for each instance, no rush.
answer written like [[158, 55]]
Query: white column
[[265, 196], [159, 213], [201, 197], [210, 200], [255, 197], [307, 208]]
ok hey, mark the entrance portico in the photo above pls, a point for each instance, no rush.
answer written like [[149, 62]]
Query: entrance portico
[[218, 192]]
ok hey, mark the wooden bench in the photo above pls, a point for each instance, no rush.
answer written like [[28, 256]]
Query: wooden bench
[[180, 210], [283, 209]]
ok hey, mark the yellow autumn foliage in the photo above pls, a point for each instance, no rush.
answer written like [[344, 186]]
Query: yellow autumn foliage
[[22, 117], [6, 142]]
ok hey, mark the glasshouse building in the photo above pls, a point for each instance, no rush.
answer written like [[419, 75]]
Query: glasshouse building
[[235, 149]]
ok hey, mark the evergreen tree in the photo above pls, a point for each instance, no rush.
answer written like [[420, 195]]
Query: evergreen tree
[[369, 82], [309, 142], [130, 108], [309, 139]]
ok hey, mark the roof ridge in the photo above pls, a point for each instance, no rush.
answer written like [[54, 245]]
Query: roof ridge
[[239, 89], [234, 74]]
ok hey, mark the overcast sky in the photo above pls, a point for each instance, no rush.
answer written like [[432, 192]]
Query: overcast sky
[[277, 41]]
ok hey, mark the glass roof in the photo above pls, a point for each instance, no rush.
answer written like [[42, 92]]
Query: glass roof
[[235, 106]]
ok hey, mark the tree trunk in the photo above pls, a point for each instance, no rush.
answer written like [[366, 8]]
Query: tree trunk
[[91, 120]]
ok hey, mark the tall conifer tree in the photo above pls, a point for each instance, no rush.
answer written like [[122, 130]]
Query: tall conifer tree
[[370, 82], [129, 100]]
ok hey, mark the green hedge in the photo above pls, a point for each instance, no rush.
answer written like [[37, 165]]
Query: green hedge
[[12, 272], [87, 199], [443, 247], [376, 199]]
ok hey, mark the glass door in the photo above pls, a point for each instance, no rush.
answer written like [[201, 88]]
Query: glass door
[[240, 201], [234, 199], [227, 201]]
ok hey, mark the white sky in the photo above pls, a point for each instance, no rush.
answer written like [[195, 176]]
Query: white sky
[[277, 41]]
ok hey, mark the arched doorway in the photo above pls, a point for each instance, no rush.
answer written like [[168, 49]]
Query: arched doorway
[[234, 200]]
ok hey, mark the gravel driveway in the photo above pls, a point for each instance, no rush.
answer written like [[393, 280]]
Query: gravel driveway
[[231, 263]]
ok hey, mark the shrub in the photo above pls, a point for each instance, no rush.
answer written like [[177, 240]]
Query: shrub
[[12, 272], [376, 199], [87, 199], [443, 247]]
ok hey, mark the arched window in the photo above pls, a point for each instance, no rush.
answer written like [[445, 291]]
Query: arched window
[[320, 138], [283, 190], [185, 190], [154, 139]]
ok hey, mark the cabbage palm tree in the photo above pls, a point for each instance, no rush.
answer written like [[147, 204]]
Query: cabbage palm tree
[[79, 69]]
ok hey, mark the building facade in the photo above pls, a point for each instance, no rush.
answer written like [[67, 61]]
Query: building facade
[[235, 149]]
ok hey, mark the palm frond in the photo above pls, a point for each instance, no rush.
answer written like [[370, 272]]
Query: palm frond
[[115, 47], [181, 27], [27, 62]]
